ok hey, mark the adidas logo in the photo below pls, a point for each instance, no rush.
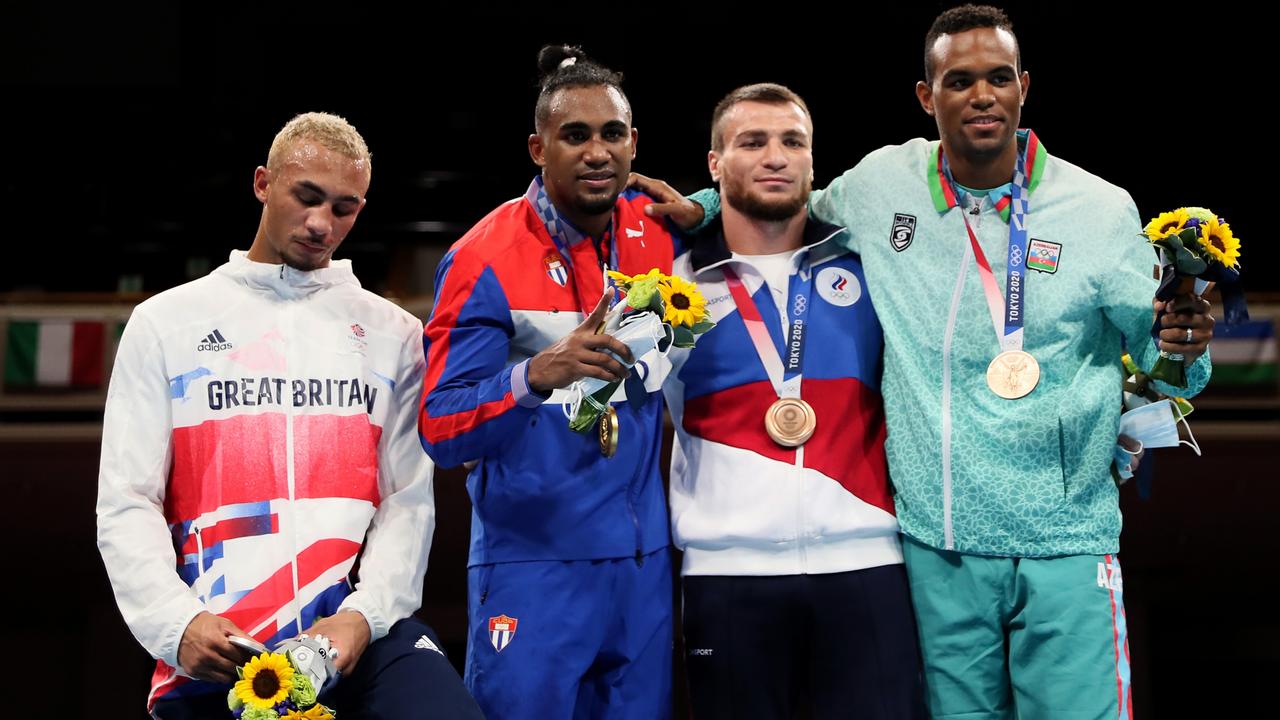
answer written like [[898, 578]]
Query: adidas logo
[[424, 643], [214, 342]]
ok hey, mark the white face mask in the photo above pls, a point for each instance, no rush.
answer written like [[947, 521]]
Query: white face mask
[[1156, 425], [1152, 425], [640, 333]]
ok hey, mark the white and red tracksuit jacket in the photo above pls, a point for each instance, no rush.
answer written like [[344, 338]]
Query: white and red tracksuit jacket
[[259, 437], [740, 503]]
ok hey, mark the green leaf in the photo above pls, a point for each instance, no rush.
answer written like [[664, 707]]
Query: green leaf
[[702, 326], [683, 336], [585, 420], [1169, 371], [603, 394], [1188, 263], [587, 413], [1183, 406]]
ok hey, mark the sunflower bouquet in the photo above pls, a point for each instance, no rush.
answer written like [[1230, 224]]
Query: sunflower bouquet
[[278, 685], [658, 311], [1197, 250]]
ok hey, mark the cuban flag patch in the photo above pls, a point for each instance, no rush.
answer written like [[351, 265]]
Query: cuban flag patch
[[502, 630], [555, 269]]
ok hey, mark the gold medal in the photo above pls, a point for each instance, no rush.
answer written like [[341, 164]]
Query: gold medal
[[790, 421], [608, 433], [1013, 374]]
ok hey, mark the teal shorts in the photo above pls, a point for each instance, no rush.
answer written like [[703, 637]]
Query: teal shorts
[[1020, 637]]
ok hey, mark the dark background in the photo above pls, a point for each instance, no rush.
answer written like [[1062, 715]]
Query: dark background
[[132, 134], [130, 138]]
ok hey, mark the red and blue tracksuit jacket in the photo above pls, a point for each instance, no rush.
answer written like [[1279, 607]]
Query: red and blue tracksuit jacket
[[539, 490]]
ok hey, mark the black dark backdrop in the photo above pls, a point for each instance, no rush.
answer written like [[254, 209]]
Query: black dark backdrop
[[130, 135]]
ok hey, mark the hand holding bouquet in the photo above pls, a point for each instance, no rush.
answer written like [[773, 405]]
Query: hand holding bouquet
[[285, 683], [1197, 250], [658, 311]]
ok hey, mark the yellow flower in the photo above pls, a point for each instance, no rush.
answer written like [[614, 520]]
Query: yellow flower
[[315, 712], [653, 273], [1168, 223], [685, 305], [267, 680], [1217, 240], [1130, 366], [624, 280]]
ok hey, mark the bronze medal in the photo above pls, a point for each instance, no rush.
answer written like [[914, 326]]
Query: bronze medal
[[790, 422]]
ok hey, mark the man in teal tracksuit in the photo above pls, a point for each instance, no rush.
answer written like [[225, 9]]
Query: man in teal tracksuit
[[1010, 512], [1011, 515]]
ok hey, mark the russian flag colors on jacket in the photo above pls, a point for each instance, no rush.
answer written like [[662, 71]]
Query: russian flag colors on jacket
[[740, 503], [539, 490], [259, 432]]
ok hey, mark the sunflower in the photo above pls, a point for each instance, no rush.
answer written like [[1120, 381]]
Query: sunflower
[[1217, 240], [685, 305], [1168, 223], [267, 680], [318, 712], [620, 278]]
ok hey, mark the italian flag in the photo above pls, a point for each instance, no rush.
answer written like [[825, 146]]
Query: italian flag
[[54, 353]]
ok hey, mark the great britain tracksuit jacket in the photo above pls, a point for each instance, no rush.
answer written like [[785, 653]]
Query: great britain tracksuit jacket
[[258, 438]]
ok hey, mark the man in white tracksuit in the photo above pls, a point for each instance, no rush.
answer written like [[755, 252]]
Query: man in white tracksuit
[[258, 438]]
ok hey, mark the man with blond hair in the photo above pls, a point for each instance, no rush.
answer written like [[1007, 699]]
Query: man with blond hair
[[258, 439]]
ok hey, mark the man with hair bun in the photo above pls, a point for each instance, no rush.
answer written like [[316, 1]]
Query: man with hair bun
[[569, 580], [258, 440]]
